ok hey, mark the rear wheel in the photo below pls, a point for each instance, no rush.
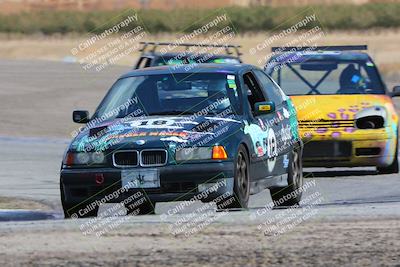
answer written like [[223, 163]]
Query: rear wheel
[[290, 195], [394, 167], [241, 187]]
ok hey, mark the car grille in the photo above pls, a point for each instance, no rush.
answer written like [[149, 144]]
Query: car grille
[[145, 158], [126, 158], [153, 157], [327, 149], [326, 124]]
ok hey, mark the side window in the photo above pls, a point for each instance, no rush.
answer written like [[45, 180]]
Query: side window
[[269, 88], [144, 62], [254, 93]]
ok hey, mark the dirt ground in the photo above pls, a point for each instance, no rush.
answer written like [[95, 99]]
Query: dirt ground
[[335, 243], [16, 203]]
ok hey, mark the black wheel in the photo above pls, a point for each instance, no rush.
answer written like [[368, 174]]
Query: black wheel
[[394, 167], [241, 186], [72, 210], [147, 207], [282, 196]]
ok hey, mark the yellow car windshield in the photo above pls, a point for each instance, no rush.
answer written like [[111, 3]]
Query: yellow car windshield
[[328, 77]]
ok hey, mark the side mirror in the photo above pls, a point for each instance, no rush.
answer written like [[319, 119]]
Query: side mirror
[[396, 91], [80, 116], [264, 107]]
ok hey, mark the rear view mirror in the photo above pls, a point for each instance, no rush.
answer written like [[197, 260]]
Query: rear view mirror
[[396, 91], [174, 86], [182, 86], [80, 116], [264, 107]]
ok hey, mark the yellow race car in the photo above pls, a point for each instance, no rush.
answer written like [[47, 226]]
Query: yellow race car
[[346, 115]]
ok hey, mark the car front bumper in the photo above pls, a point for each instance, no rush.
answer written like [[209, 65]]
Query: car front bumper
[[177, 182], [360, 148]]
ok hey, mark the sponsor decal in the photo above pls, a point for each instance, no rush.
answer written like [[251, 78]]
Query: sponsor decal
[[260, 150], [285, 133], [285, 161], [271, 149], [153, 123], [264, 142], [262, 124], [279, 116], [232, 83], [174, 139], [258, 137], [222, 119], [142, 134], [286, 113]]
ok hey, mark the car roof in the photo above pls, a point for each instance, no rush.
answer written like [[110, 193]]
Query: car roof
[[194, 68], [185, 55], [301, 56]]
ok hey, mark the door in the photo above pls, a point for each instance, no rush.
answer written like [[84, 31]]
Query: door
[[262, 131], [285, 121]]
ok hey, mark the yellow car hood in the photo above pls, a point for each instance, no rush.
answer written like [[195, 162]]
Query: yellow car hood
[[339, 107]]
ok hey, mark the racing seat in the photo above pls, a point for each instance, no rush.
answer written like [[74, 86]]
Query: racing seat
[[217, 91]]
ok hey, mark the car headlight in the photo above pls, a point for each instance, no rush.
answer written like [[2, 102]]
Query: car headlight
[[84, 158], [200, 153], [370, 122], [371, 118]]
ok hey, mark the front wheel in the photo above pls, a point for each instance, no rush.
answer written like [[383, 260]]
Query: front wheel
[[241, 186], [290, 195]]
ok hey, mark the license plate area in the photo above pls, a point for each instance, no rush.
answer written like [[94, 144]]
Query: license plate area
[[140, 178], [322, 149]]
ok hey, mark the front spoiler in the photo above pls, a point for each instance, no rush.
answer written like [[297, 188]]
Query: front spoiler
[[178, 182]]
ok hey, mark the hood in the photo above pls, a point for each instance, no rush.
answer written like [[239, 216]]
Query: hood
[[338, 107], [154, 132]]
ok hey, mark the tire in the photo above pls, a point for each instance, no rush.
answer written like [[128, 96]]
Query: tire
[[394, 167], [295, 181], [146, 208], [72, 210], [241, 186]]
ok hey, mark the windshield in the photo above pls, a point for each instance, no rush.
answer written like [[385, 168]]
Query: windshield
[[171, 94], [328, 77]]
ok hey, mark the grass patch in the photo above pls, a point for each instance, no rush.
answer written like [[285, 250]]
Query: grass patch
[[331, 17]]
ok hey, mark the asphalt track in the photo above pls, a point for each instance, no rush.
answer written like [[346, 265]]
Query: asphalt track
[[29, 169]]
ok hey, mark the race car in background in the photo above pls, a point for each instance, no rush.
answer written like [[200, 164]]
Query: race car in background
[[222, 126], [346, 114], [193, 54]]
